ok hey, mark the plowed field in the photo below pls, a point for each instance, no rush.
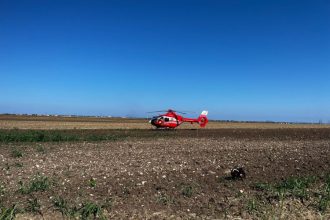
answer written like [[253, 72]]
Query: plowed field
[[182, 174], [54, 168]]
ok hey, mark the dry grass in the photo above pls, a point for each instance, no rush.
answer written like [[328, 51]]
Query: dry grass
[[43, 122]]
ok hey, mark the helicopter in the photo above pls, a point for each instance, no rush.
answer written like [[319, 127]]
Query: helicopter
[[172, 120]]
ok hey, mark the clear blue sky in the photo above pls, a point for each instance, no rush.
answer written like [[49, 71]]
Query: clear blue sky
[[241, 60]]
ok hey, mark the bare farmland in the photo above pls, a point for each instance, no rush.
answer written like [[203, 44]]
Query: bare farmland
[[183, 174]]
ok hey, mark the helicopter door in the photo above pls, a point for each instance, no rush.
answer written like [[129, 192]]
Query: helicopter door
[[160, 120]]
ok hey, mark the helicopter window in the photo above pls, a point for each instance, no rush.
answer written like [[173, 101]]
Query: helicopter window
[[167, 119]]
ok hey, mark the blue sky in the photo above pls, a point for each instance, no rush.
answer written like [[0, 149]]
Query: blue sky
[[241, 60]]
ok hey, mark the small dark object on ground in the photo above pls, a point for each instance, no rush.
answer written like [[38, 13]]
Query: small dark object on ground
[[237, 173]]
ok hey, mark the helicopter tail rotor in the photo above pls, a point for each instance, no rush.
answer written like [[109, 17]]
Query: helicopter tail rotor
[[202, 119]]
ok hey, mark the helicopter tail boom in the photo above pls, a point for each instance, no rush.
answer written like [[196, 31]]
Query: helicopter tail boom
[[201, 120]]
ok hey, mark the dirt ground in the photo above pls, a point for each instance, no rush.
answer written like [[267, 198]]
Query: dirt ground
[[182, 177]]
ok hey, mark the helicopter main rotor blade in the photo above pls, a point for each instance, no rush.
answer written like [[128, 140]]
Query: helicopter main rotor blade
[[158, 111], [184, 113], [171, 110], [187, 111]]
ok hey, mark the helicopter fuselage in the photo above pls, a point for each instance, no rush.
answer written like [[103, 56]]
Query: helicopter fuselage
[[172, 120]]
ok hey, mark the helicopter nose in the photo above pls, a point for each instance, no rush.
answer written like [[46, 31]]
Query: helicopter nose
[[153, 121]]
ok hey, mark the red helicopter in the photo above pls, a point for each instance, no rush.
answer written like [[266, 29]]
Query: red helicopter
[[172, 120]]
